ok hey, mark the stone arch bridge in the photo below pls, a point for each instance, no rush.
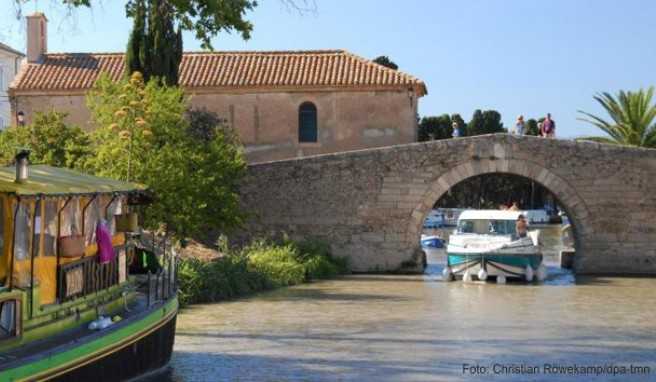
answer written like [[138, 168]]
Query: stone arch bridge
[[370, 204]]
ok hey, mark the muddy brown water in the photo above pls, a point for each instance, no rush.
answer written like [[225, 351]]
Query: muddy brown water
[[420, 328]]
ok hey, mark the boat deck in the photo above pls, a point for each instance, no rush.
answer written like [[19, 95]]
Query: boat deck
[[77, 336]]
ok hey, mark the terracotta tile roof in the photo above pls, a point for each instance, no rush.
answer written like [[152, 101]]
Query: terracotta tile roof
[[228, 70]]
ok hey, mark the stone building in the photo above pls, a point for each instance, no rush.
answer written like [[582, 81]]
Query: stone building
[[283, 104], [10, 61]]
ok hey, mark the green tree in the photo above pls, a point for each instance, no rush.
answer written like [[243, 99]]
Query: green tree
[[385, 61], [135, 56], [435, 127], [531, 127], [633, 118], [154, 47], [485, 122], [143, 135], [205, 18], [50, 140]]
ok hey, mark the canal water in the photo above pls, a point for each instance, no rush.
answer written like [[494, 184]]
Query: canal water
[[420, 328]]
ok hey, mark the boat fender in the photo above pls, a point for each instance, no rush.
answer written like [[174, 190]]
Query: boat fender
[[467, 277], [104, 323], [447, 274], [93, 325], [529, 273], [541, 274], [482, 275], [501, 279]]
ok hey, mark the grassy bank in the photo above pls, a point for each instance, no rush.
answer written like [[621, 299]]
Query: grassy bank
[[259, 266]]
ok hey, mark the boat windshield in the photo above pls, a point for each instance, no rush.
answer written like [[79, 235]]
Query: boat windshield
[[487, 227]]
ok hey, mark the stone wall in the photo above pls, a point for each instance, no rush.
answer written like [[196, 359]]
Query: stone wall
[[370, 204], [267, 122]]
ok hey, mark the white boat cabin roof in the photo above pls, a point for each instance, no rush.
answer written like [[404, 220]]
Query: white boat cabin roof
[[490, 215]]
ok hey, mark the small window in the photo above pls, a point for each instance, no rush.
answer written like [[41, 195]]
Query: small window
[[8, 319], [22, 234], [72, 218], [91, 221], [307, 122], [50, 234]]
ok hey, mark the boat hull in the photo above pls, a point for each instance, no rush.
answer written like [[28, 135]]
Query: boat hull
[[132, 349], [508, 265]]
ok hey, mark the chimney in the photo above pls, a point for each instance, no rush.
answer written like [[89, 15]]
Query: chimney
[[37, 36], [22, 161]]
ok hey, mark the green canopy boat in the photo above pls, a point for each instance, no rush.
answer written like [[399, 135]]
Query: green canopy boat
[[70, 309]]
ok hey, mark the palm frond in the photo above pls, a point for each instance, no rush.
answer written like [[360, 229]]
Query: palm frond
[[632, 117]]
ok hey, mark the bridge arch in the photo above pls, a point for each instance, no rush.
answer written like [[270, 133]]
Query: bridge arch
[[565, 194]]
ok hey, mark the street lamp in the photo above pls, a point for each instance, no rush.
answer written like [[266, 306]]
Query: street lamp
[[20, 118]]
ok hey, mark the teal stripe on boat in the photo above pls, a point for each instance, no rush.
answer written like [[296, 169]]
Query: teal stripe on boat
[[512, 260]]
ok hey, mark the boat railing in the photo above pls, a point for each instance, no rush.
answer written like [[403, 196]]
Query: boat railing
[[85, 276], [162, 284]]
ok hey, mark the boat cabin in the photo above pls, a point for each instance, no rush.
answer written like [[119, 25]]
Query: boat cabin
[[488, 222], [50, 260]]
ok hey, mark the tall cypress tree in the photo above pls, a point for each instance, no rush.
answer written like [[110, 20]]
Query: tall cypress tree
[[135, 54], [155, 49]]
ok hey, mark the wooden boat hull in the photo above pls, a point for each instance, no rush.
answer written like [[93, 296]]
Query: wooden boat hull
[[125, 350]]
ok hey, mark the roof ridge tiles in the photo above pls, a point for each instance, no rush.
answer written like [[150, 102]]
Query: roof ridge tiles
[[334, 68]]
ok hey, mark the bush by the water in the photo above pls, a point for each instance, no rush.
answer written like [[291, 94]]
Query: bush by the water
[[258, 266]]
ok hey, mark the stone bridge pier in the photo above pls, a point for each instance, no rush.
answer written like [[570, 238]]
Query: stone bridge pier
[[370, 204]]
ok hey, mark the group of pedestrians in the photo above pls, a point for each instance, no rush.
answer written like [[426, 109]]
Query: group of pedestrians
[[546, 128]]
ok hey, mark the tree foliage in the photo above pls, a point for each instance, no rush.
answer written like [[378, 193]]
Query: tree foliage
[[485, 122], [431, 128], [50, 141], [531, 127], [205, 18], [633, 118], [154, 47], [491, 190], [386, 62], [142, 135]]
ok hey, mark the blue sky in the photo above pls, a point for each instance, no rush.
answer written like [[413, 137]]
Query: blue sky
[[516, 56]]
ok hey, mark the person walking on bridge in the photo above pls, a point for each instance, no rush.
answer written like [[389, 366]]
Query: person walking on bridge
[[519, 126], [456, 130], [548, 127]]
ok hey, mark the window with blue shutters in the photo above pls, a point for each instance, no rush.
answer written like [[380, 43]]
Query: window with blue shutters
[[307, 122]]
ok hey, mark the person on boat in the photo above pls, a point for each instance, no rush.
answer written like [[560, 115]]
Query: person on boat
[[521, 226]]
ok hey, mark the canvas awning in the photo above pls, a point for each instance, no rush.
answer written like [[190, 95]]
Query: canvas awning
[[48, 180]]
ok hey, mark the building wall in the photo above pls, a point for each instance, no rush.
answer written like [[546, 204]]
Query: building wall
[[9, 65], [267, 122]]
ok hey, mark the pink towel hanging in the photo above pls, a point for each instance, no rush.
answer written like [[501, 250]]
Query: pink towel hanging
[[104, 240]]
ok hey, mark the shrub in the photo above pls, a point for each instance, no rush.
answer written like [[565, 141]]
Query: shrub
[[277, 263], [317, 258], [51, 141], [258, 266]]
